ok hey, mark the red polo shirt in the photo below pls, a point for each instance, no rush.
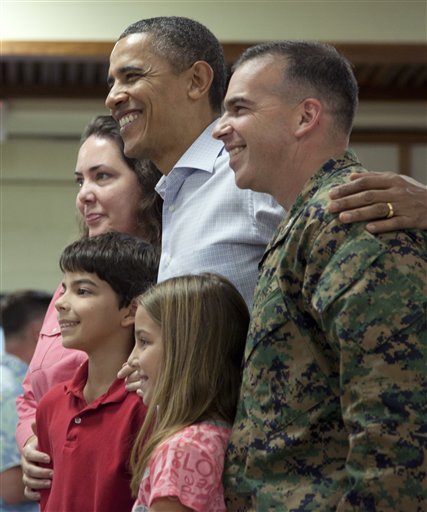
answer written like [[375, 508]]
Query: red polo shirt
[[89, 446]]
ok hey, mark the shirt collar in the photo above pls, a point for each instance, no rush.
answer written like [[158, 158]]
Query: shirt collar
[[116, 392], [347, 159], [202, 153], [311, 186], [201, 156]]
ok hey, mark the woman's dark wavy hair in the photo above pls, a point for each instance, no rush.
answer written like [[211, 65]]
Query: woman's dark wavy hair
[[149, 215]]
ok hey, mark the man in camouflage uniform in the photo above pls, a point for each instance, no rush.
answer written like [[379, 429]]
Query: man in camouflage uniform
[[332, 412]]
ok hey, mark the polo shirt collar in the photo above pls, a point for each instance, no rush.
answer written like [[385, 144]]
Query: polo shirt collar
[[116, 392]]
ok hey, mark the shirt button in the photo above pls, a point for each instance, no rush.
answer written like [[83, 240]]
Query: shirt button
[[77, 420], [171, 208]]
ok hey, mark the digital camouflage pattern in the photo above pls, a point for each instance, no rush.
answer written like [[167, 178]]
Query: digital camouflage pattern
[[333, 406]]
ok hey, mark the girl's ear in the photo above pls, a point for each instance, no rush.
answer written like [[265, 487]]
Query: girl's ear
[[129, 313], [309, 112], [201, 79]]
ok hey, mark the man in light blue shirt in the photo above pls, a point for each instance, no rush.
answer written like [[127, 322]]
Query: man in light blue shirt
[[167, 81]]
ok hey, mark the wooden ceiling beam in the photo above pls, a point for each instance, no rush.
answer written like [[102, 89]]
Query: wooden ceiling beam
[[377, 68], [369, 53]]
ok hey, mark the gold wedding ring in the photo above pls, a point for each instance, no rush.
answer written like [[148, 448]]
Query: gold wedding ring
[[390, 211]]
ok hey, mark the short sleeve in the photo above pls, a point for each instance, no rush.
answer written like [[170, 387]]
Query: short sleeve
[[189, 468]]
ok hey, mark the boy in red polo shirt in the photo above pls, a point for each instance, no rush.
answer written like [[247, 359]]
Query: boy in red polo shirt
[[87, 425]]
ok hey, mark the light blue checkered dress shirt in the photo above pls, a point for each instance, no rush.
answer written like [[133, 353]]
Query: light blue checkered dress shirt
[[209, 224]]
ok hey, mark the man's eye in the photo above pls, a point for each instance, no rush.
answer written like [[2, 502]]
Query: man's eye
[[79, 182]]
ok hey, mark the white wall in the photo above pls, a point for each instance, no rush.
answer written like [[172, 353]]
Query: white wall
[[231, 21]]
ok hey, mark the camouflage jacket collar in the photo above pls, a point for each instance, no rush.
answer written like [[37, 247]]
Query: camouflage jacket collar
[[332, 166]]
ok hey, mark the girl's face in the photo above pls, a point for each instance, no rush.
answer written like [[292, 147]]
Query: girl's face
[[109, 190], [147, 353]]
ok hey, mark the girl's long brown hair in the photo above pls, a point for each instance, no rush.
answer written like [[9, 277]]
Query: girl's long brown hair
[[204, 322]]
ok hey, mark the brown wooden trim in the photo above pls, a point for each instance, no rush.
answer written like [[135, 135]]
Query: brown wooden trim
[[385, 72], [384, 93], [385, 53], [56, 48], [388, 137], [368, 53]]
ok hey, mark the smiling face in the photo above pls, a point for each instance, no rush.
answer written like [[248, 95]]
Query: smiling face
[[109, 192], [88, 312], [149, 101], [147, 353], [257, 126]]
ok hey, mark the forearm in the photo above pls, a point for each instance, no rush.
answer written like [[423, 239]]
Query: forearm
[[11, 486], [26, 406]]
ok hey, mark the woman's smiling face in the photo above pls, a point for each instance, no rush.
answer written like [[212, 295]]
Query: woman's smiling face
[[109, 192]]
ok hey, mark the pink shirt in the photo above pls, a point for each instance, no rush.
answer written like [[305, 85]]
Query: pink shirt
[[188, 466], [50, 365]]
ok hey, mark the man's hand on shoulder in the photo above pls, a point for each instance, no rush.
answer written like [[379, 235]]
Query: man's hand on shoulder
[[388, 201]]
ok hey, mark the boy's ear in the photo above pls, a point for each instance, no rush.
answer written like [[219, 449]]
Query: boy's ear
[[130, 311]]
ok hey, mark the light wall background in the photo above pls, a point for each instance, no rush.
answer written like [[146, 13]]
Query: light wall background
[[37, 157]]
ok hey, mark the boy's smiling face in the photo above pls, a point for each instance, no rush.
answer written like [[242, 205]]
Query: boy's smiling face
[[88, 312]]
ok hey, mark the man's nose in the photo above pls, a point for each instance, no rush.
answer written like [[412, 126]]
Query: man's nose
[[222, 128], [116, 95]]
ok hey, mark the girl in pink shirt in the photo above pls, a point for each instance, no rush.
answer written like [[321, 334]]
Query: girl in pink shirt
[[190, 334]]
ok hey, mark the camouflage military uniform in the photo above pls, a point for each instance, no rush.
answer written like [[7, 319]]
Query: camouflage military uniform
[[333, 407]]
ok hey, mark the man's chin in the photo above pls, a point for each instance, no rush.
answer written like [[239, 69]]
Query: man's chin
[[240, 179], [132, 151]]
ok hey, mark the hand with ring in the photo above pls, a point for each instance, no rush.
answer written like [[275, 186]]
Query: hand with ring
[[386, 200], [390, 213]]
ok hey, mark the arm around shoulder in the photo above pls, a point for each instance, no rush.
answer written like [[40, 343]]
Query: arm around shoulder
[[368, 198]]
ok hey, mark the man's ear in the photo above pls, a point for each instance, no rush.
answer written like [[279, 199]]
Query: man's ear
[[129, 313], [308, 116], [201, 79]]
